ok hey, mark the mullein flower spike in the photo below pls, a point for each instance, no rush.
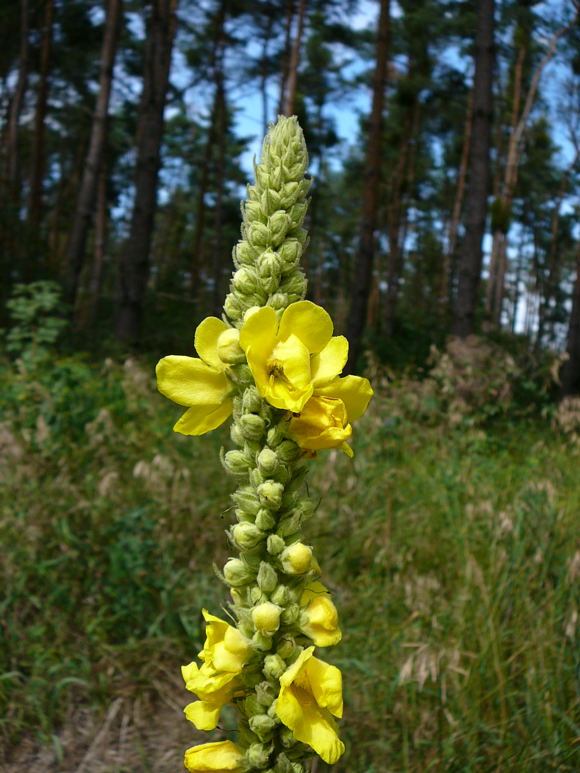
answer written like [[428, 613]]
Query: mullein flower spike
[[274, 364]]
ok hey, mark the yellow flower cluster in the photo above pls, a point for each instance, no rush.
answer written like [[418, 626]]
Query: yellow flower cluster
[[296, 364]]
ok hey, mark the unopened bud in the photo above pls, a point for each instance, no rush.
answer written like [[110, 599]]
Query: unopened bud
[[287, 737], [265, 520], [236, 435], [245, 280], [228, 347], [261, 641], [252, 426], [232, 306], [258, 756], [267, 462], [274, 666], [251, 400], [236, 462], [278, 301], [247, 536], [276, 434], [268, 264], [279, 224], [287, 648], [280, 596], [247, 500], [270, 493], [275, 544], [257, 596], [289, 254], [258, 235], [290, 525], [266, 617], [262, 725], [267, 577], [252, 706], [283, 764], [291, 614], [288, 451], [265, 692], [297, 558], [244, 253], [236, 573]]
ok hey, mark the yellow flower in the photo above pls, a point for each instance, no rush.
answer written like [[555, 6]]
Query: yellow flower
[[290, 358], [224, 655], [325, 419], [319, 618], [199, 384], [217, 757], [310, 691]]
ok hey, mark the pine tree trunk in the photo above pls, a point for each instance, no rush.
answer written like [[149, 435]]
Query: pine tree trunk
[[38, 148], [286, 52], [363, 270], [570, 378], [11, 142], [290, 97], [134, 255], [471, 256], [218, 258], [86, 198]]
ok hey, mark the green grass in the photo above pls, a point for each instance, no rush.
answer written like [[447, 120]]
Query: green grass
[[450, 553]]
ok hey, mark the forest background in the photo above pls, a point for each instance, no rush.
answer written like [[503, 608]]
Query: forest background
[[444, 139]]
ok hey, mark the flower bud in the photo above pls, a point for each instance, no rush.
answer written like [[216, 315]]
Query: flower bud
[[262, 725], [257, 596], [247, 500], [236, 435], [297, 558], [294, 284], [267, 577], [270, 493], [279, 224], [266, 617], [243, 517], [228, 347], [289, 254], [261, 641], [244, 254], [252, 426], [258, 235], [276, 177], [297, 767], [274, 667], [265, 692], [252, 706], [278, 301], [276, 435], [245, 280], [245, 736], [267, 462], [280, 596], [289, 525], [258, 756], [251, 400], [287, 648], [256, 478], [283, 764], [291, 614], [232, 306], [268, 264], [236, 573], [290, 192], [275, 544], [247, 536], [262, 176], [287, 737], [265, 520], [236, 462], [270, 201], [288, 451], [251, 210]]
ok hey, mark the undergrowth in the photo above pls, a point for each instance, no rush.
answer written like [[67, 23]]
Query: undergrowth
[[460, 649]]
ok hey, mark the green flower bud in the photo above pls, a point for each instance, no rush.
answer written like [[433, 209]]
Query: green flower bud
[[245, 280], [275, 544], [247, 500], [291, 614], [298, 212], [258, 235], [289, 194], [256, 478], [236, 573], [257, 596], [283, 764], [287, 648], [252, 426], [265, 520], [251, 400], [228, 347], [244, 254], [297, 768], [261, 175], [262, 642], [267, 577], [279, 224], [267, 462], [287, 737], [247, 536], [270, 493], [297, 558], [233, 306], [237, 462], [294, 284], [244, 517], [266, 618], [265, 691], [280, 596], [252, 707], [278, 301], [290, 525], [274, 667], [236, 435], [268, 264], [258, 756], [288, 451], [270, 201], [251, 211], [276, 178], [289, 254], [263, 726], [245, 736], [276, 434]]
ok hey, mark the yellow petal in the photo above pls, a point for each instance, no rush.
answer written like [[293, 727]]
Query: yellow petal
[[326, 685], [321, 621], [259, 332], [298, 709], [206, 338], [207, 683], [190, 381], [203, 715], [203, 418], [288, 384], [321, 424], [312, 591], [330, 362], [220, 757], [354, 391], [311, 323]]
